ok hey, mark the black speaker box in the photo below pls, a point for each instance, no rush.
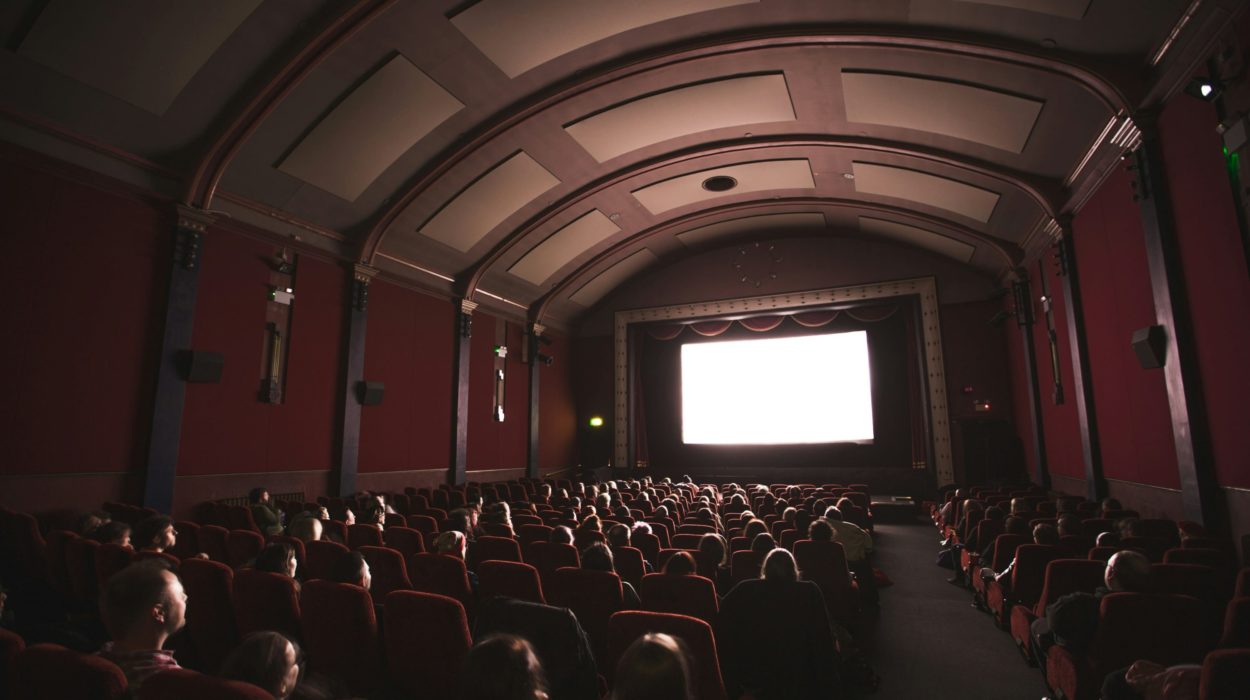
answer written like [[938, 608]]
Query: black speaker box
[[202, 367], [370, 393], [1151, 345]]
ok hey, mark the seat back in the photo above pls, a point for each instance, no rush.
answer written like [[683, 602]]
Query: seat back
[[240, 518], [213, 542], [824, 563], [648, 544], [533, 533], [1029, 574], [1165, 629], [52, 672], [425, 524], [321, 555], [627, 626], [388, 569], [1225, 674], [55, 552], [363, 535], [1005, 549], [509, 579], [264, 600], [190, 685], [341, 634], [1236, 625], [301, 553], [426, 637], [188, 543], [685, 595], [1064, 576], [549, 556], [744, 565], [210, 610], [242, 546], [11, 644], [80, 567], [592, 596], [110, 559], [629, 564], [489, 548], [407, 540], [584, 538], [443, 575]]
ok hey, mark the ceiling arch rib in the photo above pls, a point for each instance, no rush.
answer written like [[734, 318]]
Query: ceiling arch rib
[[1024, 57]]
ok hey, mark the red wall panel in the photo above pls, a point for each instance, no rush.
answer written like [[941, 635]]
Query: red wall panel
[[1134, 424], [976, 357], [408, 347], [84, 276], [557, 421], [1215, 275]]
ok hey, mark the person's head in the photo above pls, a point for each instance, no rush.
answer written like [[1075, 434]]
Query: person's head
[[788, 514], [597, 557], [779, 566], [562, 534], [592, 523], [278, 557], [349, 516], [642, 527], [655, 667], [603, 501], [1063, 506], [753, 528], [994, 513], [260, 494], [680, 564], [544, 490], [833, 514], [1129, 527], [1015, 526], [502, 667], [352, 568], [267, 660], [1107, 539], [763, 543], [618, 536], [972, 505], [843, 504], [1111, 504], [1019, 505], [156, 533], [113, 532], [90, 522], [374, 515], [1127, 570], [1069, 525], [460, 520], [713, 546], [145, 601], [820, 530], [451, 542], [1045, 533], [306, 529]]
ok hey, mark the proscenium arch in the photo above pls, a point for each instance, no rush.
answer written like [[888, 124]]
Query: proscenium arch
[[1024, 56], [924, 288], [1014, 180], [538, 310]]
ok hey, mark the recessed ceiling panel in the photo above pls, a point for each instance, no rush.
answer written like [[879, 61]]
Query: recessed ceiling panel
[[486, 203], [746, 177], [924, 238], [756, 99], [139, 51], [564, 245], [765, 223], [369, 130], [594, 290], [965, 112], [943, 193], [518, 36], [1070, 9]]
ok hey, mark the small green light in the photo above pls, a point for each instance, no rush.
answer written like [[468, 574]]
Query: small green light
[[596, 421]]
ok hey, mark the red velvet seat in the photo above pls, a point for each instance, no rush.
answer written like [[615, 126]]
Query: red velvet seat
[[1225, 675], [80, 568], [185, 684], [362, 535], [242, 547], [55, 552], [240, 518], [789, 537], [341, 634], [1162, 529], [629, 564], [1152, 547], [509, 579], [533, 533], [426, 637], [593, 596], [425, 524], [1001, 555], [264, 600], [987, 531], [388, 570], [210, 611], [824, 563], [745, 565], [488, 548], [694, 529], [584, 538], [407, 540], [627, 626], [648, 544], [1242, 587], [1236, 624], [395, 520], [684, 595], [738, 544], [110, 559], [52, 672], [188, 542], [321, 556], [213, 542], [443, 575], [166, 557], [334, 531], [11, 644], [1093, 527], [1027, 578], [549, 556], [1062, 576]]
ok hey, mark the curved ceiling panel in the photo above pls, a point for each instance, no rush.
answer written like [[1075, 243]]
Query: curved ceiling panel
[[591, 292], [922, 238], [739, 179], [518, 36], [967, 112], [486, 203], [755, 99], [913, 185], [380, 120], [721, 230], [561, 247], [1068, 9]]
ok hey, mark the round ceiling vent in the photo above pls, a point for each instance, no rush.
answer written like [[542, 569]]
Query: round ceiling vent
[[719, 183]]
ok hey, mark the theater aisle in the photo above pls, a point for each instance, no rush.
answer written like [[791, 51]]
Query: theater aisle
[[927, 641]]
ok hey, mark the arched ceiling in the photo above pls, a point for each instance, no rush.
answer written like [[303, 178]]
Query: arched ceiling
[[535, 154]]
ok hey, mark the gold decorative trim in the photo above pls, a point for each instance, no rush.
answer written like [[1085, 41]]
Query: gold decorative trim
[[925, 288], [194, 219], [467, 307], [364, 273]]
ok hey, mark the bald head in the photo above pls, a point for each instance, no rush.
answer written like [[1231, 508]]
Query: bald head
[[1128, 570]]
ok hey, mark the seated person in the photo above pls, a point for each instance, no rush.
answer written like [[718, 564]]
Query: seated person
[[157, 534], [267, 660], [306, 528], [597, 557], [267, 518], [714, 555], [561, 534], [141, 606], [502, 666], [1072, 620], [453, 543], [763, 544], [562, 646], [278, 558], [1044, 533], [655, 667], [352, 568], [680, 564], [113, 532]]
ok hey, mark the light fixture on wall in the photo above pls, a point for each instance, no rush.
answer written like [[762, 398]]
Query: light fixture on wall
[[1204, 88]]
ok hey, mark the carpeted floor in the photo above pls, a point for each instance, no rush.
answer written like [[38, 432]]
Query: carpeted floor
[[927, 641]]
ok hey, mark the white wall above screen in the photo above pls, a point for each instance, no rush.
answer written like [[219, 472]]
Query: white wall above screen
[[777, 391]]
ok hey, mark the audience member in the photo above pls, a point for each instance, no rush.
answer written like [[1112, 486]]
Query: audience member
[[352, 568], [502, 667], [267, 660], [561, 534], [90, 522], [558, 639], [753, 528], [155, 534], [306, 528], [618, 536], [113, 532], [655, 667], [714, 556], [1110, 505], [1072, 620], [278, 558], [267, 518], [597, 557], [680, 564], [763, 543], [454, 544], [141, 606]]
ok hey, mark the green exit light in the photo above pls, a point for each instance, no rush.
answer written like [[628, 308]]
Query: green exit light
[[596, 421]]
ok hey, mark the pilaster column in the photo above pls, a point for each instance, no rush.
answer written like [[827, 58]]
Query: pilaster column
[[531, 462], [1025, 320], [353, 375], [460, 439]]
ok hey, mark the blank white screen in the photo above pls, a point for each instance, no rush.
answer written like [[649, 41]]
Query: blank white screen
[[809, 389]]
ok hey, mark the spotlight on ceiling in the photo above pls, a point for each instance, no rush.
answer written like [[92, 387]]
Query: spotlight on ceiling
[[719, 183], [1208, 89]]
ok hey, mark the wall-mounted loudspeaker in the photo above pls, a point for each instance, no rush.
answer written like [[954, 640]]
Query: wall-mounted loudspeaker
[[1151, 345], [370, 393], [201, 367]]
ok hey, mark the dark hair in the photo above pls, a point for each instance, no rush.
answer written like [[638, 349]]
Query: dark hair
[[820, 530], [754, 527], [654, 667], [680, 564], [147, 530], [114, 531], [348, 568], [833, 513], [561, 534], [779, 566], [130, 593], [713, 545], [994, 513], [618, 535], [260, 659], [501, 667], [1045, 533], [275, 557], [459, 519], [597, 557], [1015, 526], [763, 543], [254, 495]]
